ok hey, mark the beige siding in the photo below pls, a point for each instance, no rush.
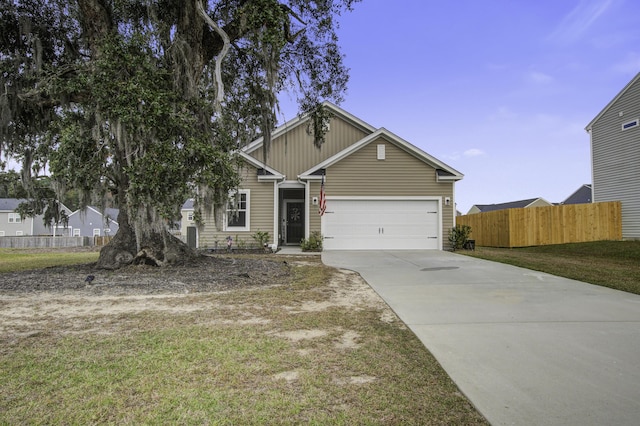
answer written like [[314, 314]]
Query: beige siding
[[400, 174], [260, 215], [616, 159], [294, 153]]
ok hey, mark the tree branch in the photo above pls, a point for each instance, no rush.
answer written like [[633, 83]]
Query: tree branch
[[219, 57]]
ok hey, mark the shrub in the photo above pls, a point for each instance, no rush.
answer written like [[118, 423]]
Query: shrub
[[459, 235], [261, 238], [314, 243]]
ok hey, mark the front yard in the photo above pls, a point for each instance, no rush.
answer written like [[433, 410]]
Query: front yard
[[614, 264]]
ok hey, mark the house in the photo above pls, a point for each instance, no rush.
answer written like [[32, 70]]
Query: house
[[615, 155], [581, 196], [12, 225], [91, 222], [379, 191], [188, 226], [531, 202]]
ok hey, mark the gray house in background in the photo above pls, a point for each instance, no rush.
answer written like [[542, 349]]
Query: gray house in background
[[90, 222], [615, 155], [12, 225], [582, 196], [531, 202]]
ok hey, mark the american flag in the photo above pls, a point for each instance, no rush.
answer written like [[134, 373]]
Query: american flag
[[323, 200]]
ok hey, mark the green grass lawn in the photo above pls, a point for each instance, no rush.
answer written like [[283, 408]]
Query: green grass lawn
[[614, 264], [25, 259]]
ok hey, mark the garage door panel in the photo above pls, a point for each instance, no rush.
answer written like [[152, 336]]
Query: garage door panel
[[381, 224]]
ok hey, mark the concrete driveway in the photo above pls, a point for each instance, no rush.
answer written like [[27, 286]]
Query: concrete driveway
[[527, 348]]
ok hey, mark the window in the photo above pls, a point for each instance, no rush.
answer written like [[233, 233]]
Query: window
[[238, 211], [190, 216], [96, 232], [630, 124], [106, 231], [76, 232], [19, 233], [15, 218], [1, 233]]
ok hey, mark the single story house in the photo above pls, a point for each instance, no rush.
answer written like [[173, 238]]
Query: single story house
[[615, 155], [531, 202], [363, 188]]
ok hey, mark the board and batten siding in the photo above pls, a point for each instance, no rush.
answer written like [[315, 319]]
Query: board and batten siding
[[399, 174], [616, 159], [260, 214], [294, 153]]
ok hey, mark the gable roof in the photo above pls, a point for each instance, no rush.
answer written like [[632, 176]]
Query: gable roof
[[581, 196], [510, 205], [111, 213], [613, 101], [10, 204], [444, 171], [302, 119], [264, 172]]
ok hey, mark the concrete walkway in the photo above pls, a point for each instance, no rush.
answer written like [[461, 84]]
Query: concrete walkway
[[526, 348]]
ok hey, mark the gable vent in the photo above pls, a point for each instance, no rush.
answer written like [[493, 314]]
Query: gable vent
[[630, 124]]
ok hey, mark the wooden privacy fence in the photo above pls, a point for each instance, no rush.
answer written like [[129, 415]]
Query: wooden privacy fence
[[51, 242], [538, 226]]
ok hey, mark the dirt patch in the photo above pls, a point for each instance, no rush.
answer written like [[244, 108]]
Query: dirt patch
[[62, 298]]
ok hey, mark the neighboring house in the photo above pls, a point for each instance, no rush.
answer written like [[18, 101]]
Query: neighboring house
[[615, 155], [188, 227], [12, 225], [90, 222], [581, 196], [381, 192], [531, 202]]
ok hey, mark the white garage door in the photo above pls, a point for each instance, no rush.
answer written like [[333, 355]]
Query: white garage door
[[381, 225]]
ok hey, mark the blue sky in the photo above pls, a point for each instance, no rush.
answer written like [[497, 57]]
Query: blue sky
[[500, 90]]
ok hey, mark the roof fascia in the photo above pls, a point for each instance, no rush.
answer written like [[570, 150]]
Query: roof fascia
[[275, 175], [613, 101], [392, 138]]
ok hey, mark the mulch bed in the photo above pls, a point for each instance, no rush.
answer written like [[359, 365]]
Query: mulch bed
[[206, 273]]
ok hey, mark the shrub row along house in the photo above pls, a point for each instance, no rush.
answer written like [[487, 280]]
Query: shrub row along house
[[89, 222], [363, 188]]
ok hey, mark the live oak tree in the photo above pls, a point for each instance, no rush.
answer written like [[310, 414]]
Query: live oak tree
[[146, 102]]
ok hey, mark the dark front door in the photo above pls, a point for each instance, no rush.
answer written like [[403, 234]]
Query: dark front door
[[295, 222]]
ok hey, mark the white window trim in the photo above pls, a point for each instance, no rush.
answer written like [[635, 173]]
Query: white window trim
[[76, 232], [247, 226], [630, 124], [96, 232], [19, 233], [15, 218]]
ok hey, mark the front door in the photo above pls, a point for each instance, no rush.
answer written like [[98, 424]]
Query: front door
[[294, 222]]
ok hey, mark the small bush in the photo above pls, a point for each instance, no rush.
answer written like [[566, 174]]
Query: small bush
[[459, 235], [261, 238], [314, 243]]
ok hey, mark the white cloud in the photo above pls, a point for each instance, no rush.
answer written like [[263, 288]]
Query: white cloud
[[473, 152], [577, 22]]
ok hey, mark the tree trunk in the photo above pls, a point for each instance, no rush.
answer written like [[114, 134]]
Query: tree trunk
[[157, 249]]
